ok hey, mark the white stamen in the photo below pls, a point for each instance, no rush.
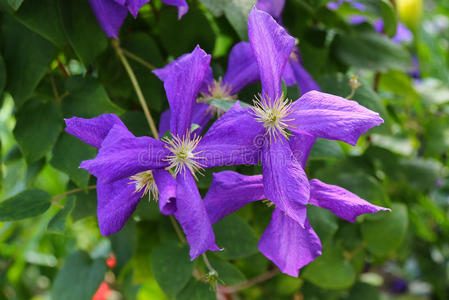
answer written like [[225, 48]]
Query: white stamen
[[273, 115], [145, 181], [183, 155]]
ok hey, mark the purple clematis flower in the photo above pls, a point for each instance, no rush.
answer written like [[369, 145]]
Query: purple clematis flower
[[111, 13], [403, 34], [280, 126], [336, 4], [242, 71], [286, 243], [294, 72], [127, 167]]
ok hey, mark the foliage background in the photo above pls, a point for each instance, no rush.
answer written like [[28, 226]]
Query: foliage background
[[56, 62]]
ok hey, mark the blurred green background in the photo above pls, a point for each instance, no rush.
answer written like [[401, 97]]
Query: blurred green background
[[56, 62]]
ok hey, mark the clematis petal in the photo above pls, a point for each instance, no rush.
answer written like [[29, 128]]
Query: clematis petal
[[341, 202], [332, 117], [193, 217], [230, 191], [272, 46], [300, 144], [110, 15], [273, 7], [183, 8], [208, 80], [182, 80], [92, 131], [242, 68], [285, 181], [127, 157], [288, 76], [289, 245], [201, 116], [135, 5], [116, 133], [164, 123], [232, 140], [166, 185], [116, 203]]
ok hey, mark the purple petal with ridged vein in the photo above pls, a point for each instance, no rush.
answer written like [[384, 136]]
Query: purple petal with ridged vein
[[182, 80], [300, 145], [273, 7], [332, 117], [92, 131], [341, 202], [164, 123], [127, 157], [285, 181], [191, 214], [272, 46], [183, 8], [230, 191], [201, 116], [289, 245], [116, 203], [208, 80], [110, 15], [232, 140], [288, 76], [242, 67], [166, 185], [116, 133]]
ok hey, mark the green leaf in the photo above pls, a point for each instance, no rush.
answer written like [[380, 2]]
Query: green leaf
[[236, 11], [194, 28], [385, 233], [338, 84], [227, 273], [27, 204], [197, 290], [123, 244], [38, 126], [85, 204], [57, 224], [172, 267], [68, 154], [325, 149], [331, 270], [2, 74], [370, 50], [420, 174], [87, 98], [79, 277], [225, 104], [25, 68], [364, 291], [42, 17], [389, 18], [14, 4], [236, 237], [82, 30], [323, 222]]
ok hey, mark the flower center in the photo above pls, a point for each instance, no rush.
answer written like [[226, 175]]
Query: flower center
[[145, 181], [183, 155], [219, 89], [273, 115]]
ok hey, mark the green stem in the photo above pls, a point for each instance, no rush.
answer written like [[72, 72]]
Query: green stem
[[135, 83], [177, 229], [54, 199], [138, 59]]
